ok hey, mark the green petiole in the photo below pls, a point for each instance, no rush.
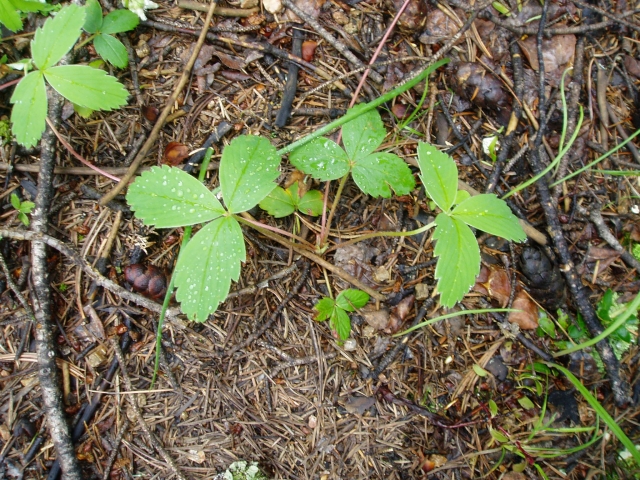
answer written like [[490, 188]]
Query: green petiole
[[167, 297]]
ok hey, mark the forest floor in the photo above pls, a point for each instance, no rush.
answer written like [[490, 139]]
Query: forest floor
[[466, 397]]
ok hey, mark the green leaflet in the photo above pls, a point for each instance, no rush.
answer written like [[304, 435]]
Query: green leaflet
[[375, 173], [57, 36], [9, 16], [311, 203], [458, 259], [87, 87], [111, 49], [363, 135], [324, 308], [206, 267], [119, 21], [248, 167], [490, 214], [351, 299], [29, 109], [322, 159], [168, 197], [439, 175], [93, 18], [281, 203], [341, 323]]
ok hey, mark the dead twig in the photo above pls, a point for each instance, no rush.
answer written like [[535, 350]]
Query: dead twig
[[186, 75]]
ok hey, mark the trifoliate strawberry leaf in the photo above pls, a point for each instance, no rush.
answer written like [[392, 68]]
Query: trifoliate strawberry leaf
[[351, 299], [311, 203], [322, 159], [363, 135], [490, 214], [278, 203], [375, 173], [87, 87], [458, 259], [111, 49], [248, 167], [341, 323], [206, 267], [9, 16], [56, 37], [169, 197], [325, 308], [29, 111], [93, 18], [439, 175], [119, 21]]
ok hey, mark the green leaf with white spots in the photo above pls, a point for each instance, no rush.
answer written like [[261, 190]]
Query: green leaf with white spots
[[439, 175], [377, 174], [322, 159], [363, 135], [87, 87], [206, 267], [56, 37], [29, 112], [248, 167], [458, 259], [490, 214], [168, 197]]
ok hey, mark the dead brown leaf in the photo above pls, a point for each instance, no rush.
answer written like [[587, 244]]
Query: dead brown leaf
[[527, 318]]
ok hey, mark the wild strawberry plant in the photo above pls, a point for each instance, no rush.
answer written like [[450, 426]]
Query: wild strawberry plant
[[337, 311], [102, 32], [87, 87], [168, 197], [376, 173], [456, 245]]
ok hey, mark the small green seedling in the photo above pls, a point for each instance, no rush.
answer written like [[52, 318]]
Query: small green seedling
[[10, 11], [23, 208], [102, 32], [169, 197], [456, 248], [608, 310], [282, 203], [85, 86], [336, 310], [376, 173]]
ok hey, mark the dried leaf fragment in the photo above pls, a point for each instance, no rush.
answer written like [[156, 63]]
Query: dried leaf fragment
[[175, 153]]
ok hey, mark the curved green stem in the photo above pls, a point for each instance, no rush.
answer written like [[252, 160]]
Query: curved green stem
[[85, 41], [632, 309], [167, 296], [365, 108], [556, 160]]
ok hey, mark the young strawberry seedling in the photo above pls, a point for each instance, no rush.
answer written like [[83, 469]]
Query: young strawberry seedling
[[336, 310], [102, 32]]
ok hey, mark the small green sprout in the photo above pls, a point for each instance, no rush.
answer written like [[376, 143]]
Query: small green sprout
[[336, 310], [23, 208]]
